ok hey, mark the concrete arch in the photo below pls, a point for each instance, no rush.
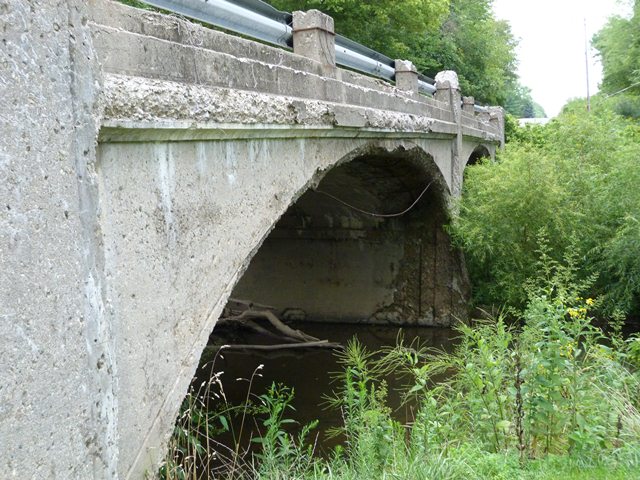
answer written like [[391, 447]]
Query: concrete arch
[[180, 222], [472, 152], [481, 151]]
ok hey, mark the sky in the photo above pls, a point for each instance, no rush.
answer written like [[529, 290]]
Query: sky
[[551, 50]]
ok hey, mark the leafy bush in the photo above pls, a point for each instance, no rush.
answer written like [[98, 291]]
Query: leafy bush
[[554, 386], [574, 183], [628, 106]]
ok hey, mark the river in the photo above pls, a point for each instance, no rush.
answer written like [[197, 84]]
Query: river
[[308, 372]]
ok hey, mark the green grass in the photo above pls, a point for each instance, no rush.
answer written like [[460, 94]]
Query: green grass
[[553, 467]]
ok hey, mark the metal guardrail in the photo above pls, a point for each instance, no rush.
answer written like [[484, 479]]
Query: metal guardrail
[[257, 19]]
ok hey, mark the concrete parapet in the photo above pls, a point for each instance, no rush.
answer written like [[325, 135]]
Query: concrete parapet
[[406, 76], [314, 37]]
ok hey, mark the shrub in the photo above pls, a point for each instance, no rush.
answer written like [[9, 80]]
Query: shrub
[[573, 183]]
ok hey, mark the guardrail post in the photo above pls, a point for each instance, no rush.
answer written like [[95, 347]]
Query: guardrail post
[[468, 104], [314, 37], [406, 76]]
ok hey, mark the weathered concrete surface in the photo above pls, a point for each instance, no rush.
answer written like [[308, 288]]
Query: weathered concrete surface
[[57, 409], [119, 258]]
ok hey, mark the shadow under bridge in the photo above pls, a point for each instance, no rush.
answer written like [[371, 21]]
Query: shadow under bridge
[[366, 245]]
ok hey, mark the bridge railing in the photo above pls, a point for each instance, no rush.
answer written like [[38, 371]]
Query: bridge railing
[[259, 20]]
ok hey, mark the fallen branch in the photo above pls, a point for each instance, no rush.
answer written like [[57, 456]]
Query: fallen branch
[[266, 332], [273, 320], [283, 346]]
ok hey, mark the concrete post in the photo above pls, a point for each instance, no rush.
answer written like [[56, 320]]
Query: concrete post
[[406, 76], [448, 91], [314, 37], [496, 119], [468, 104]]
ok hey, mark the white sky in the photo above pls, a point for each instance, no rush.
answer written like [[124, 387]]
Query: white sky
[[551, 51]]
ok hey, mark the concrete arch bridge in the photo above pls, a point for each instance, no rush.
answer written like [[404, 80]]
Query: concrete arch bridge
[[151, 166]]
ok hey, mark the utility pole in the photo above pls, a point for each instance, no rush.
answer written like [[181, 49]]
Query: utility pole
[[586, 63]]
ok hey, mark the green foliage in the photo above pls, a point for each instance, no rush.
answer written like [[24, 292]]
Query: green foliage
[[282, 455], [520, 103], [478, 47], [385, 26], [551, 387], [371, 435], [436, 35], [572, 185], [618, 44], [627, 106]]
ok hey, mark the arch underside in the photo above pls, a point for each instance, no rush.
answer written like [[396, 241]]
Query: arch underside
[[366, 245], [476, 153]]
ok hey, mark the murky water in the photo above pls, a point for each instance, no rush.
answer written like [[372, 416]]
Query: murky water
[[310, 371]]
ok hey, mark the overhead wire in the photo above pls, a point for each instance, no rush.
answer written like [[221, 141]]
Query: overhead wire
[[623, 90], [374, 214]]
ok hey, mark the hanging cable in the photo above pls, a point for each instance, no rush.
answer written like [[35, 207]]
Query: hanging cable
[[373, 214]]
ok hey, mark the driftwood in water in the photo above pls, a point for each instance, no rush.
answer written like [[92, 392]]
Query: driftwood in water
[[282, 328], [285, 346], [243, 312]]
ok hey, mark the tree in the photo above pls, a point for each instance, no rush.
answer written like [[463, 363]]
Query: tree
[[520, 103], [569, 188], [460, 35], [618, 45], [478, 47]]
